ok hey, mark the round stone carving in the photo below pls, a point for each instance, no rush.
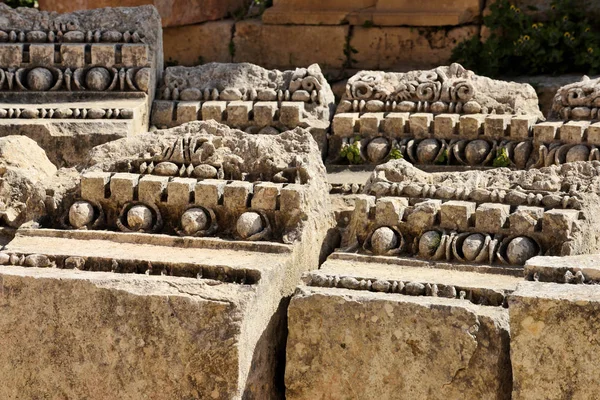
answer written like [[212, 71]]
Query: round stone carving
[[472, 246], [377, 149], [383, 240], [429, 243], [249, 224], [476, 151], [139, 217], [81, 214], [521, 249], [578, 153], [427, 151], [194, 220], [97, 78], [205, 171], [40, 79]]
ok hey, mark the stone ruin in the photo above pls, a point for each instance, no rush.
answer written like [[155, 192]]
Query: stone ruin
[[74, 81], [213, 255]]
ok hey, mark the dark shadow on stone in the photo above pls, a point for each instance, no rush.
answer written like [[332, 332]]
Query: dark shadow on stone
[[266, 378]]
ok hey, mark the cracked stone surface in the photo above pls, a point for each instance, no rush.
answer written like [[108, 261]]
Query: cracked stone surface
[[345, 344]]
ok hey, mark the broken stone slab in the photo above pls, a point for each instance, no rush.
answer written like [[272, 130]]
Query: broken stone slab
[[93, 66], [125, 335], [357, 344], [446, 89], [500, 217], [571, 269], [243, 215], [577, 101], [553, 351], [247, 97], [448, 117]]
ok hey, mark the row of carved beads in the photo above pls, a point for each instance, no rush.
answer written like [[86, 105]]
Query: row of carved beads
[[70, 36]]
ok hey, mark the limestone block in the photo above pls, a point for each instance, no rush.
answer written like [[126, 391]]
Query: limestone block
[[312, 12], [179, 191], [497, 126], [421, 124], [389, 211], [344, 124], [471, 126], [260, 44], [351, 344], [188, 45], [521, 127], [525, 219], [446, 126], [135, 55], [173, 13], [41, 54], [291, 198], [238, 113], [424, 214], [213, 110], [103, 54], [546, 132], [236, 195], [152, 188], [566, 269], [574, 132], [11, 55], [491, 217], [290, 113], [187, 111], [553, 351], [383, 48], [94, 185], [123, 186], [593, 134], [162, 112], [370, 123], [72, 55], [556, 221], [456, 214], [266, 195], [265, 112], [394, 124]]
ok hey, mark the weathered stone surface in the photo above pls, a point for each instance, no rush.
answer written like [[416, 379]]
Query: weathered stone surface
[[404, 48], [553, 349], [262, 44], [571, 269], [195, 44], [577, 101], [355, 344], [248, 97], [558, 231], [25, 172], [451, 87], [313, 12], [431, 13], [69, 77], [241, 273], [172, 13]]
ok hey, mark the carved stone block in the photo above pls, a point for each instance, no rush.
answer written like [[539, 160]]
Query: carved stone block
[[546, 132], [213, 110], [390, 210], [209, 193], [122, 186], [394, 124], [265, 196], [574, 131], [471, 126], [526, 219], [134, 55], [72, 55], [186, 111], [344, 124], [93, 185], [151, 188], [446, 126], [456, 214], [265, 112], [238, 113], [421, 124], [490, 217]]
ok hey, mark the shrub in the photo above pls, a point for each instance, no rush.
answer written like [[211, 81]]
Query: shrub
[[520, 45]]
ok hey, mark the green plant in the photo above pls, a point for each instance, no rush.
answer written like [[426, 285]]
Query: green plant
[[368, 23], [566, 41], [349, 51], [442, 158], [395, 154], [22, 3], [351, 152], [501, 159]]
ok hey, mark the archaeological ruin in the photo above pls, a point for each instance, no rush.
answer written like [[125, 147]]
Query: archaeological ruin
[[228, 231]]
